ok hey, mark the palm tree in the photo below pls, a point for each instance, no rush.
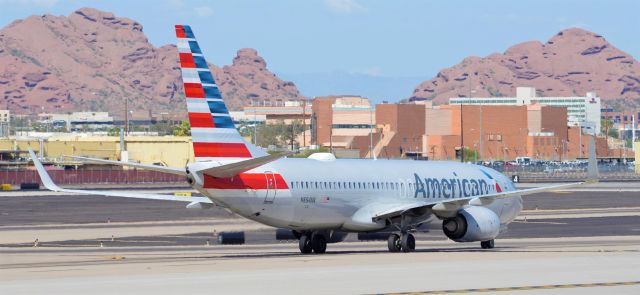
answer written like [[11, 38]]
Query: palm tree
[[606, 125], [184, 129]]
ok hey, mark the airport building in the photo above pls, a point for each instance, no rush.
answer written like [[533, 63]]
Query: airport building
[[78, 120], [583, 111], [282, 111], [624, 123], [337, 120], [173, 151], [422, 131]]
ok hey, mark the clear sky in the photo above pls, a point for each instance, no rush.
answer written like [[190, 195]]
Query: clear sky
[[370, 47]]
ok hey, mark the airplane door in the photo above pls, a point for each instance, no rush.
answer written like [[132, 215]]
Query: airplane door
[[271, 186]]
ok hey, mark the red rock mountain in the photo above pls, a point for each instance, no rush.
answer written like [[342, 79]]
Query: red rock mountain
[[573, 62], [93, 60]]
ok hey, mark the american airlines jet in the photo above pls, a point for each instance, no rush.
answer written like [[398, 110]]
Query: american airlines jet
[[321, 198]]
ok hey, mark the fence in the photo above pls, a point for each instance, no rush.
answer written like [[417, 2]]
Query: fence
[[101, 176]]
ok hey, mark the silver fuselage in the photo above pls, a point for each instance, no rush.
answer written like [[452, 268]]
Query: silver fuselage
[[326, 194]]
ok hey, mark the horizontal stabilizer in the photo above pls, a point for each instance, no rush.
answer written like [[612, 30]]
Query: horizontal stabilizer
[[164, 169], [233, 169], [50, 185]]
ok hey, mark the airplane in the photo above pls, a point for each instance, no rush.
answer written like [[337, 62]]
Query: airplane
[[320, 198]]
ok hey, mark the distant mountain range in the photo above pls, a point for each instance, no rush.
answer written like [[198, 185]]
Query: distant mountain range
[[93, 60], [571, 63]]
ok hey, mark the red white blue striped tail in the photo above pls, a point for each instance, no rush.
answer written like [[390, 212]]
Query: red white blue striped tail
[[213, 133]]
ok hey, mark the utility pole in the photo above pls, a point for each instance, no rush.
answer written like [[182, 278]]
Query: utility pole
[[126, 115], [304, 122], [461, 134], [370, 131], [633, 130], [292, 133], [580, 136], [331, 139], [481, 139]]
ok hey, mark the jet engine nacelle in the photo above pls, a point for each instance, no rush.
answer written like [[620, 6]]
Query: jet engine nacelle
[[472, 224]]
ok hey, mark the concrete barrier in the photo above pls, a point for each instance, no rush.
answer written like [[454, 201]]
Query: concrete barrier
[[231, 238], [283, 234], [29, 186]]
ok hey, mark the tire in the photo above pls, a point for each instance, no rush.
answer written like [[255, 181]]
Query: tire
[[490, 244], [319, 244], [393, 242], [305, 244], [408, 243]]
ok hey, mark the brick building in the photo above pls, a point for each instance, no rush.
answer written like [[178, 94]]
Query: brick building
[[337, 120], [420, 130]]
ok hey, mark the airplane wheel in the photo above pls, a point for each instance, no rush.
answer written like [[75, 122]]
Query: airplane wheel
[[305, 244], [408, 243], [393, 242], [319, 244], [490, 244]]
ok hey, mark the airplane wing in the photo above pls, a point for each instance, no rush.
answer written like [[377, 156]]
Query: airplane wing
[[164, 169], [455, 204], [50, 185], [228, 170]]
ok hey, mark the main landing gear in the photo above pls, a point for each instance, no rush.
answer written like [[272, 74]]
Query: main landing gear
[[404, 242], [312, 242], [490, 244]]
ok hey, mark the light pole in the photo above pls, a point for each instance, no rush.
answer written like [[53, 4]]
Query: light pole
[[370, 131], [330, 138], [461, 134], [255, 123], [481, 135]]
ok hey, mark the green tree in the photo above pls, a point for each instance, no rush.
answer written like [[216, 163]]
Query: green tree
[[114, 131], [182, 129], [278, 134], [606, 126], [470, 155]]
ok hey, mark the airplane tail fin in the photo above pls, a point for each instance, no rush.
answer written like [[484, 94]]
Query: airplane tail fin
[[213, 133]]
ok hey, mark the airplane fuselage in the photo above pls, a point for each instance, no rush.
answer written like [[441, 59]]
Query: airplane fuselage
[[309, 194]]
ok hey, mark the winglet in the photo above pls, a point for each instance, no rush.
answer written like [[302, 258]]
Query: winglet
[[44, 176]]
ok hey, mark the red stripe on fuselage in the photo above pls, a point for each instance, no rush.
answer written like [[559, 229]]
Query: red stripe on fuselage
[[220, 150], [246, 181], [202, 120]]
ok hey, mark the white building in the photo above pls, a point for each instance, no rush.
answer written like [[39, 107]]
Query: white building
[[5, 116], [582, 111], [78, 120]]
